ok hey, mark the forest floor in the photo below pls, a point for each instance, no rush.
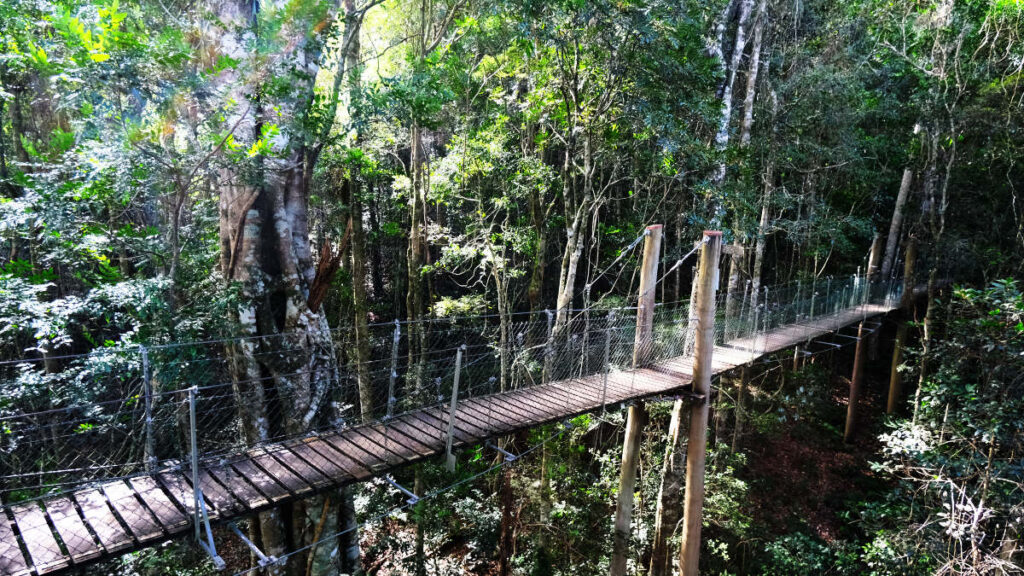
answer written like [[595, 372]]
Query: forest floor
[[803, 477]]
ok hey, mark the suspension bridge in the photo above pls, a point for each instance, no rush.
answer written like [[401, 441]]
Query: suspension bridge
[[112, 451]]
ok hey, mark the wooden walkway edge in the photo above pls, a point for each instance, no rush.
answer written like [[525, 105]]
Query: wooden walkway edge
[[59, 533]]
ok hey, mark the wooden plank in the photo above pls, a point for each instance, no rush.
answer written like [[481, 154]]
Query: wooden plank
[[462, 432], [402, 433], [240, 488], [180, 489], [223, 502], [72, 531], [573, 400], [356, 468], [167, 514], [101, 519], [493, 414], [140, 521], [270, 488], [492, 426], [380, 447], [542, 406], [429, 427], [12, 561], [284, 476], [300, 467], [335, 473], [342, 443], [500, 404], [42, 547], [482, 429]]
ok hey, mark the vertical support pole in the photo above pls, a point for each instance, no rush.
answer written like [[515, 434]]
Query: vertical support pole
[[693, 508], [855, 385], [394, 370], [828, 294], [743, 312], [607, 360], [196, 492], [450, 464], [765, 318], [549, 348], [799, 297], [585, 344], [691, 315], [643, 342], [875, 260], [149, 458], [637, 415], [906, 302]]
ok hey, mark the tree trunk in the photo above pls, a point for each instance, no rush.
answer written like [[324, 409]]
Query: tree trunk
[[753, 68], [506, 541], [726, 90], [902, 331], [893, 240], [360, 304], [265, 250], [415, 300], [669, 507], [348, 541], [733, 295], [926, 336], [627, 486], [856, 383], [762, 236], [741, 394]]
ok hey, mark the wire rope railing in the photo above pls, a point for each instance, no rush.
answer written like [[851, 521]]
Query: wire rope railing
[[128, 412]]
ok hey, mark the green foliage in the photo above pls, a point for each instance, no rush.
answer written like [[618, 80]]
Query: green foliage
[[798, 554], [957, 460]]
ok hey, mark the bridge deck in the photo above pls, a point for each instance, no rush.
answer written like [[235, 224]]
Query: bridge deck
[[66, 531]]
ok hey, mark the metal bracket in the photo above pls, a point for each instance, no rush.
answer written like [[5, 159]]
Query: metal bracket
[[264, 560], [208, 546], [412, 498], [509, 457]]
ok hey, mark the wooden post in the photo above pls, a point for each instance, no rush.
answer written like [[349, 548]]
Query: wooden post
[[645, 303], [855, 385], [906, 302], [875, 260], [637, 415], [741, 392], [450, 461], [627, 486], [696, 452], [874, 276]]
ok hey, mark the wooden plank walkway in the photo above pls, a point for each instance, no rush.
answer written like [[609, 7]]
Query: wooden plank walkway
[[67, 531]]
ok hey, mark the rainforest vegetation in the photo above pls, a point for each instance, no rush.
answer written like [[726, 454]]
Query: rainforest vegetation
[[312, 170]]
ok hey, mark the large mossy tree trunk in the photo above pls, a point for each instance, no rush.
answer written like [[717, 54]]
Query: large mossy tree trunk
[[670, 496], [284, 366]]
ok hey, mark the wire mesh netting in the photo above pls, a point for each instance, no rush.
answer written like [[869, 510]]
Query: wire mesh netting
[[66, 422]]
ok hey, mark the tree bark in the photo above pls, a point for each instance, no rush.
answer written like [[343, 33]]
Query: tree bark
[[856, 383], [762, 236], [696, 450], [755, 65], [627, 486], [726, 90], [506, 541], [669, 507], [893, 240], [265, 249]]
